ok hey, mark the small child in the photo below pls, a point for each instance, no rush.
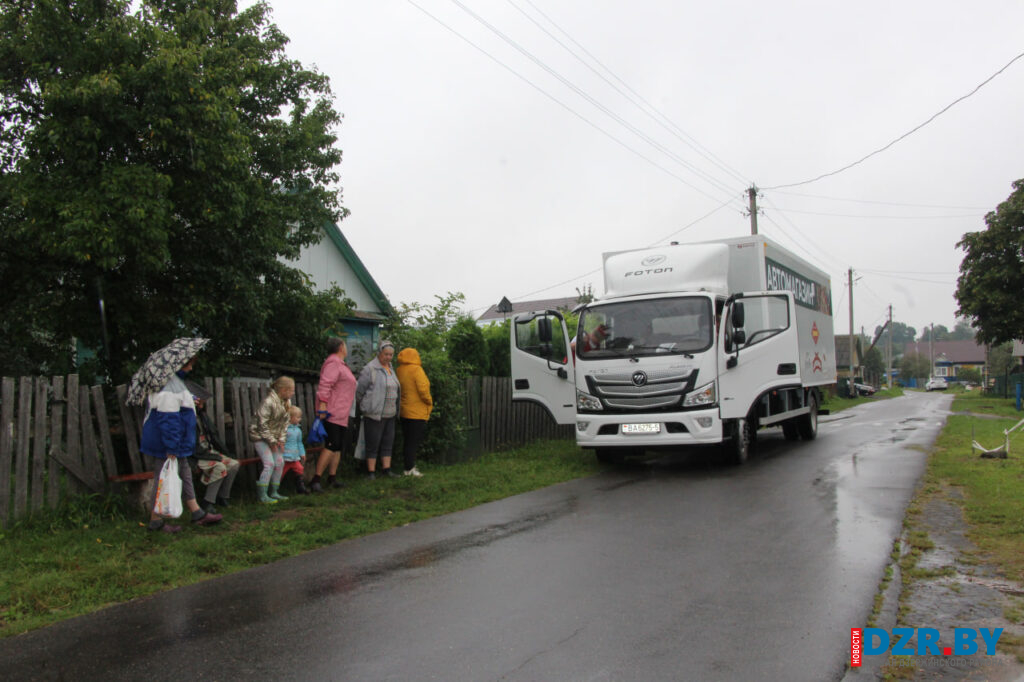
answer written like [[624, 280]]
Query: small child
[[294, 450]]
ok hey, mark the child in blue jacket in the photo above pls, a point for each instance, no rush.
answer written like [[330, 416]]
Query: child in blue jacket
[[294, 450]]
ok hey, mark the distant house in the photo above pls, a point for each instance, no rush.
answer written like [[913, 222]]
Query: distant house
[[1018, 351], [491, 315], [948, 357], [333, 261], [843, 356]]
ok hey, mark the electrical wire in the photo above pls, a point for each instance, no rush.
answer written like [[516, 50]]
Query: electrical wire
[[632, 96], [884, 217], [904, 135], [717, 184], [887, 203], [562, 104]]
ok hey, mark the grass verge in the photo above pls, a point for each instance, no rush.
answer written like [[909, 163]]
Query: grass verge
[[991, 493], [97, 553]]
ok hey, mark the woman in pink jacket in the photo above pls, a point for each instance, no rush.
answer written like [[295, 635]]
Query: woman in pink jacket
[[334, 398]]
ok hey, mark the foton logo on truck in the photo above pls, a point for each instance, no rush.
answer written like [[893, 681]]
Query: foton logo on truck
[[650, 262]]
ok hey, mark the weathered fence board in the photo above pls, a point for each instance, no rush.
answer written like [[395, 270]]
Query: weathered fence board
[[39, 444], [21, 451], [56, 441], [90, 456], [73, 453], [129, 430], [6, 447]]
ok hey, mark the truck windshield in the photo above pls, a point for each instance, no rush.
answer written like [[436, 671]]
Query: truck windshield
[[634, 328]]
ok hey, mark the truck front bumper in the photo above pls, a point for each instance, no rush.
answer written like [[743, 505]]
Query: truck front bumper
[[693, 427]]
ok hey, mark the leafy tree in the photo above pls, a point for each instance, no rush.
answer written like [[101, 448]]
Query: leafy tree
[[942, 333], [466, 345], [915, 365], [425, 328], [901, 336], [1000, 360], [159, 158], [992, 272], [968, 375], [962, 331], [584, 294], [498, 348], [874, 363]]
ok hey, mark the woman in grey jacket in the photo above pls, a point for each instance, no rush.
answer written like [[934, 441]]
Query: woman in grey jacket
[[377, 394]]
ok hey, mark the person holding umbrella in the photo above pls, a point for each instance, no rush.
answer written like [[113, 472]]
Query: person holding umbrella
[[169, 427]]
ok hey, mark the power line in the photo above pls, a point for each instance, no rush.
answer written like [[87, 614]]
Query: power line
[[887, 203], [562, 104], [883, 217], [906, 134], [633, 95], [579, 91]]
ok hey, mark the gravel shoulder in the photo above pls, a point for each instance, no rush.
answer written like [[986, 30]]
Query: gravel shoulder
[[958, 589]]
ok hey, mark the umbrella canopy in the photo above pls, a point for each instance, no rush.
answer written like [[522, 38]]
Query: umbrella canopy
[[159, 367]]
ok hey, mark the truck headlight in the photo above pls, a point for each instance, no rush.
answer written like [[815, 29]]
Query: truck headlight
[[705, 395], [586, 402]]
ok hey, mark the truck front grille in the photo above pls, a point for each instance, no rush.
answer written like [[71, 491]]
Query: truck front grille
[[658, 389]]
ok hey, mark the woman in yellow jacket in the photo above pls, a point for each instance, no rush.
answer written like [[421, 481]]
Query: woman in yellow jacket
[[415, 407]]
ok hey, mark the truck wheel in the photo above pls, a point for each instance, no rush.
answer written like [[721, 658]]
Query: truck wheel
[[808, 424], [790, 430], [741, 440]]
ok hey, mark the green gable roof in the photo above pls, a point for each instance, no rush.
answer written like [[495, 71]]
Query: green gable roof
[[362, 274]]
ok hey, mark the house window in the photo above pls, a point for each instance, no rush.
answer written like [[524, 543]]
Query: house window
[[942, 371]]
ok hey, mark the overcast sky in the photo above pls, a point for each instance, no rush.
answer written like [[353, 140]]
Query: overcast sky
[[482, 156]]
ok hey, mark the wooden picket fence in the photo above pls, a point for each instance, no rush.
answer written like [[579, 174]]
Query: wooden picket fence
[[59, 439]]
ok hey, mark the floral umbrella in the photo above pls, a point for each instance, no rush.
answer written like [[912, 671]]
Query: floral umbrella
[[159, 367]]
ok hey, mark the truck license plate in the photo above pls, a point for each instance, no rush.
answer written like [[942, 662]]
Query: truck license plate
[[641, 428]]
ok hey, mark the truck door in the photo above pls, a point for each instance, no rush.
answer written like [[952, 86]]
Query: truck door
[[542, 369], [763, 356]]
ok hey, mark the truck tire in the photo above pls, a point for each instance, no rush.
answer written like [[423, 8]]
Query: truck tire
[[808, 423], [791, 430], [741, 441]]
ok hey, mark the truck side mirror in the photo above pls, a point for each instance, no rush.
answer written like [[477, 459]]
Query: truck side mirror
[[544, 330], [738, 318], [739, 337], [546, 351]]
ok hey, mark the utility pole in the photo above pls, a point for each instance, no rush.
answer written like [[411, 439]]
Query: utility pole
[[888, 354], [752, 193], [931, 352], [853, 392]]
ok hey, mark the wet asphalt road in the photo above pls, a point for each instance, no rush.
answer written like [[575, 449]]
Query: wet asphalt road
[[678, 570]]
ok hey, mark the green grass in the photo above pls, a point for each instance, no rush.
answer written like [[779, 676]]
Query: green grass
[[95, 553], [837, 404], [993, 489]]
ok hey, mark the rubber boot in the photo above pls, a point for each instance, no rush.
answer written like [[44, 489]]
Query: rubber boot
[[274, 494], [261, 491]]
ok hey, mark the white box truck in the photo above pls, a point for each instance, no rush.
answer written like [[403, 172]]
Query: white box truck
[[691, 344]]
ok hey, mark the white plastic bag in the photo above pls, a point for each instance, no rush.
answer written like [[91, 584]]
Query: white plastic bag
[[168, 490]]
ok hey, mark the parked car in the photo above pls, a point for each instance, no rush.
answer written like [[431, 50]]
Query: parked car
[[864, 389], [936, 384]]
